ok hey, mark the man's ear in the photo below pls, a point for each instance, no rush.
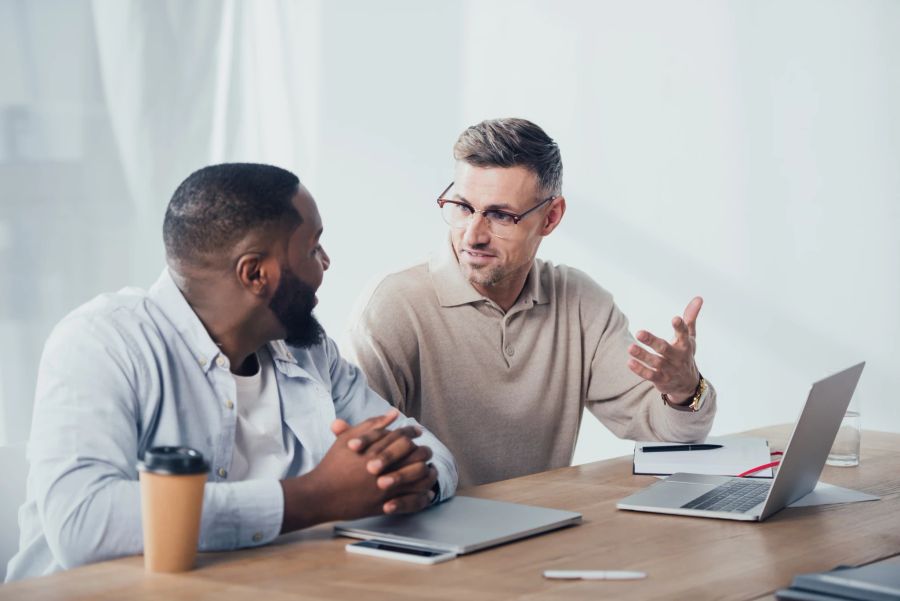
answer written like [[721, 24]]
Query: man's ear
[[255, 274], [553, 215]]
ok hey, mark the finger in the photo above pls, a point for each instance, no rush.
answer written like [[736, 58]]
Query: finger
[[398, 450], [423, 484], [392, 435], [363, 441], [377, 421], [372, 424], [691, 312], [339, 426], [643, 371], [682, 334], [420, 454], [645, 356], [657, 344], [404, 476], [395, 446], [409, 503]]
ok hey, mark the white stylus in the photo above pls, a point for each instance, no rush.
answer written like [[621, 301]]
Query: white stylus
[[593, 575]]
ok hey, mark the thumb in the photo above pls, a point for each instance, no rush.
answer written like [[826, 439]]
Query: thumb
[[691, 312], [339, 426]]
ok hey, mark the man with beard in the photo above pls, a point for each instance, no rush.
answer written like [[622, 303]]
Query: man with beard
[[222, 354], [497, 352]]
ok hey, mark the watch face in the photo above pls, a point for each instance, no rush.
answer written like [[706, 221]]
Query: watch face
[[701, 396]]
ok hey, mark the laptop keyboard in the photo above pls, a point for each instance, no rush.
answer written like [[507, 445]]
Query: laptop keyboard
[[736, 496]]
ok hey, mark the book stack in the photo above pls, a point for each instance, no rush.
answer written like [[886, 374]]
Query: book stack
[[876, 582]]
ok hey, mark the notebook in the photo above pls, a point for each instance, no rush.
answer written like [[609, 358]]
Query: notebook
[[875, 582], [738, 454]]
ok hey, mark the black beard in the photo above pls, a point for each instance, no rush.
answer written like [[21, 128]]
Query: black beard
[[293, 304]]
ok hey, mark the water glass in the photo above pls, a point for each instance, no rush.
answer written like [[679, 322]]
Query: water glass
[[845, 450]]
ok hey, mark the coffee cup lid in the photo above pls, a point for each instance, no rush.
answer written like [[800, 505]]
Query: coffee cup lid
[[173, 460]]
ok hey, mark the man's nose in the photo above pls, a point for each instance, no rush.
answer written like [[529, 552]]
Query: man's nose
[[478, 231], [326, 260]]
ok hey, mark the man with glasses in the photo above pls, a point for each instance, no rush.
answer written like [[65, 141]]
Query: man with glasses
[[498, 352]]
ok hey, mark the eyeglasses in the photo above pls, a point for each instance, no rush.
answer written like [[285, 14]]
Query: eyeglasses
[[501, 223]]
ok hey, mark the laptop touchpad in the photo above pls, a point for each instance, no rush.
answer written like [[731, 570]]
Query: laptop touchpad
[[671, 493]]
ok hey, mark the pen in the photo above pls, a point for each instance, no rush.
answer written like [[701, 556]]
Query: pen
[[680, 447], [593, 575]]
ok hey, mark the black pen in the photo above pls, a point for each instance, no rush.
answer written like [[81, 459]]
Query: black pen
[[681, 447]]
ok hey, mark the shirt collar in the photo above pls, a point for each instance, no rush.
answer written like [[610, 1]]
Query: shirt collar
[[453, 289], [449, 283], [281, 352], [535, 286], [167, 296]]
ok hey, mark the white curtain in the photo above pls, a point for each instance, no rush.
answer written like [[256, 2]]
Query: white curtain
[[105, 107], [192, 83], [746, 151]]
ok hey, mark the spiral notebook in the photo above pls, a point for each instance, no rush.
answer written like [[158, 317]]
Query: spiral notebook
[[738, 454]]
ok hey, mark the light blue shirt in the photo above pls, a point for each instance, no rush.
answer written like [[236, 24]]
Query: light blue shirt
[[136, 369]]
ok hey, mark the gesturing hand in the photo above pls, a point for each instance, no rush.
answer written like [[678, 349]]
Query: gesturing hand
[[672, 368]]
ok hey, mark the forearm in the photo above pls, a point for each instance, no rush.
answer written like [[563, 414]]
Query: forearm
[[640, 414], [90, 521]]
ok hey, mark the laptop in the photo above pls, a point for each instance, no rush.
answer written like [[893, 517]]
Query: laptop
[[460, 525], [752, 499]]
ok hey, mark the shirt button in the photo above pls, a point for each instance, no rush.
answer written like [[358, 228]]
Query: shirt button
[[222, 473], [220, 360], [257, 537], [229, 403], [510, 350], [202, 362]]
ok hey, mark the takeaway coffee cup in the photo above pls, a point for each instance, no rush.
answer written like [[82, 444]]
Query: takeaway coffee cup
[[172, 481]]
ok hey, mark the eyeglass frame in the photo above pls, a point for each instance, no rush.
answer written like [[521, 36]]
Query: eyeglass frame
[[441, 201]]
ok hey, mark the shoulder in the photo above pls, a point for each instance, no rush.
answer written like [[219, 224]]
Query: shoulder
[[107, 313], [109, 340], [411, 283], [568, 284], [113, 323], [399, 292]]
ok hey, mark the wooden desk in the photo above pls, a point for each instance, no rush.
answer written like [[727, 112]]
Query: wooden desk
[[686, 558]]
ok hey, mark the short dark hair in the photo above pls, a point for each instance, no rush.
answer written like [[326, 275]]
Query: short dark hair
[[512, 143], [218, 205]]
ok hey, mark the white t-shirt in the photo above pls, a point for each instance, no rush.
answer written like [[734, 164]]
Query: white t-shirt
[[263, 447]]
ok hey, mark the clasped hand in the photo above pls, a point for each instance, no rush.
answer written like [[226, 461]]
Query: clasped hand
[[377, 470]]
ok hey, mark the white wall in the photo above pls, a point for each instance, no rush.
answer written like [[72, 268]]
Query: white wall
[[748, 152], [745, 151]]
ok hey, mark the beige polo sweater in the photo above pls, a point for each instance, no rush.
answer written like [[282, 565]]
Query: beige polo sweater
[[505, 391]]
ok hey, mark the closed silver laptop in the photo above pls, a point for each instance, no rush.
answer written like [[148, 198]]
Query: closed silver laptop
[[460, 525], [754, 499]]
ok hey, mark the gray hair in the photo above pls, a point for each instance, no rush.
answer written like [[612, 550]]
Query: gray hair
[[512, 143]]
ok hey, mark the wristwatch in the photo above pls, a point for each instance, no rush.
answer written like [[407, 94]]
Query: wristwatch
[[436, 489], [696, 401]]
